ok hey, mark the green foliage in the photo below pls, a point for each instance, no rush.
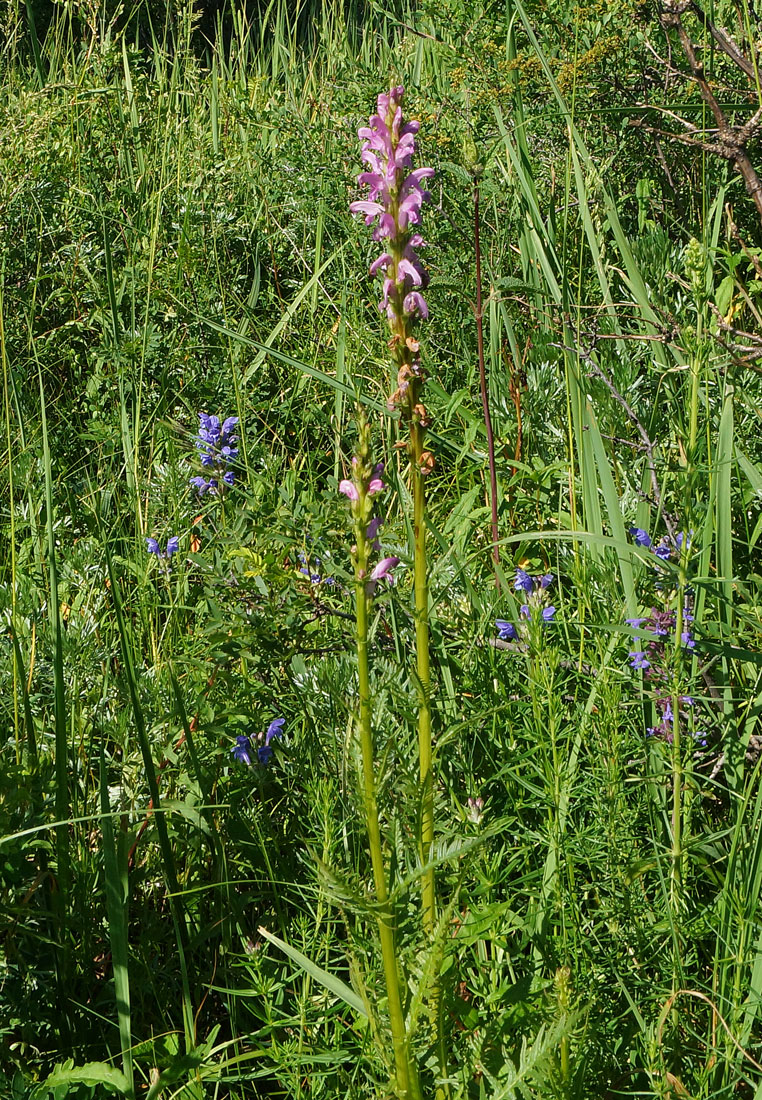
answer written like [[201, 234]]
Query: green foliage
[[176, 239]]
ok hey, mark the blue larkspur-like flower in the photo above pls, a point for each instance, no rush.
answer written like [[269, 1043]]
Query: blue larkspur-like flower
[[506, 631], [217, 454], [173, 545], [640, 537], [242, 750]]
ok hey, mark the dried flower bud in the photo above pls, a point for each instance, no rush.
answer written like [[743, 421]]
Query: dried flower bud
[[421, 415]]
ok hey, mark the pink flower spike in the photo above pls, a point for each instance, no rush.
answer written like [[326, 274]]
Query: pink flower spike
[[384, 569], [349, 490], [375, 486]]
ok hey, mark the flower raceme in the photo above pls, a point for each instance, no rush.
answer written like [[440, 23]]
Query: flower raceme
[[173, 545], [395, 198], [394, 203], [533, 588], [243, 749], [366, 483], [658, 626], [214, 442]]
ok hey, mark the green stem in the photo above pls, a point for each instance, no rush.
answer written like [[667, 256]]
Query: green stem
[[406, 1075], [696, 364], [676, 875], [424, 676]]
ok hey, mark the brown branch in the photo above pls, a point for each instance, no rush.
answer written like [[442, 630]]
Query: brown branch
[[726, 43], [684, 139], [732, 139]]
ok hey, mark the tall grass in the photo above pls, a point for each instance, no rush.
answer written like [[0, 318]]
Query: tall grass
[[175, 240]]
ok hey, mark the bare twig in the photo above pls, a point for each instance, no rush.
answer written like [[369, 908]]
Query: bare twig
[[732, 140]]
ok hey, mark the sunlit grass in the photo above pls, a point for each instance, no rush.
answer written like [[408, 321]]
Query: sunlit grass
[[176, 239]]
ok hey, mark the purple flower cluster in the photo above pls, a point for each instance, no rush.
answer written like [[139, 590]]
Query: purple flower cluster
[[533, 589], [243, 749], [215, 441], [665, 549], [654, 661], [367, 482], [311, 567], [659, 625], [394, 203], [395, 198], [173, 545]]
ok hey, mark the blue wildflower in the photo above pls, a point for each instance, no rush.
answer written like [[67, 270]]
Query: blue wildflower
[[533, 587], [640, 537], [639, 660], [173, 545], [242, 750], [275, 729], [506, 631], [217, 454], [523, 581]]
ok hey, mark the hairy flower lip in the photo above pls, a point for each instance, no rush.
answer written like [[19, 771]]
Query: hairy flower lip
[[349, 489], [384, 568]]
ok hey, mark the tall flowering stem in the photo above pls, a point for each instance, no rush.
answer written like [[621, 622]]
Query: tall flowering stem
[[393, 206], [365, 483]]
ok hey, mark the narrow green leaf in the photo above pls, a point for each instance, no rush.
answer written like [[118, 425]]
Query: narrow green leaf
[[328, 981]]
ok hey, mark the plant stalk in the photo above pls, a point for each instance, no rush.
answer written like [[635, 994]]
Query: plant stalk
[[423, 670], [676, 871], [406, 1074]]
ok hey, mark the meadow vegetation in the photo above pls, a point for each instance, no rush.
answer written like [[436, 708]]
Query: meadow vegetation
[[190, 904]]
